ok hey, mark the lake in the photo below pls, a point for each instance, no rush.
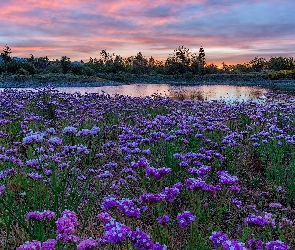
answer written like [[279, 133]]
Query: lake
[[228, 93]]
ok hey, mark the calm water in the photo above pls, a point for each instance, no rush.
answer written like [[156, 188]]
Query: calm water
[[227, 93], [205, 92]]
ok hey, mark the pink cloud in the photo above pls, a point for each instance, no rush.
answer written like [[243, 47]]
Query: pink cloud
[[80, 29]]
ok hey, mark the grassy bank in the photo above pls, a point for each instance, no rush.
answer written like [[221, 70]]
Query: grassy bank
[[71, 80], [100, 172]]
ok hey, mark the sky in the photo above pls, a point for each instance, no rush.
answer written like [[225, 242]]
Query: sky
[[230, 31]]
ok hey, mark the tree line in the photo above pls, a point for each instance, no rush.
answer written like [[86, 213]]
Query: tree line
[[181, 61]]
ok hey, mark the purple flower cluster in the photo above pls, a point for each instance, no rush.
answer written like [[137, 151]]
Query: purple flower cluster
[[203, 170], [226, 179], [233, 245], [142, 241], [36, 215], [276, 245], [65, 226], [115, 232], [129, 208], [218, 238], [185, 219], [87, 244], [169, 194], [2, 188], [255, 220], [35, 176], [37, 245], [164, 220], [7, 172], [199, 183], [69, 130], [158, 173], [255, 244]]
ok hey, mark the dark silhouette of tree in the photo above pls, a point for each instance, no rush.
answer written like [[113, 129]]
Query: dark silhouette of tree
[[281, 63], [139, 64], [6, 54], [201, 58], [65, 64], [179, 61], [258, 64], [198, 62]]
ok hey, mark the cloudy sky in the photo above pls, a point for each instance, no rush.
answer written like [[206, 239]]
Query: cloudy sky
[[232, 31]]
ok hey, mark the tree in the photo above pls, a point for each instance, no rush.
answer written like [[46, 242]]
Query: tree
[[179, 61], [201, 58], [139, 64], [198, 61], [281, 63], [258, 64], [65, 64], [6, 54]]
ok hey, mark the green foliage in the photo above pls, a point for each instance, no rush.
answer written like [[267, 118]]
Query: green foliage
[[288, 74], [258, 64], [281, 63], [181, 64], [5, 55]]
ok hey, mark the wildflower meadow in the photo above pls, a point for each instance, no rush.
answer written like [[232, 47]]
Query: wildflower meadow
[[96, 171]]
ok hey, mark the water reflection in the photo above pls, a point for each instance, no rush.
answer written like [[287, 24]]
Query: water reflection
[[227, 93]]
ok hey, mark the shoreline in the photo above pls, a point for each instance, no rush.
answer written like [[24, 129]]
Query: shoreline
[[282, 84]]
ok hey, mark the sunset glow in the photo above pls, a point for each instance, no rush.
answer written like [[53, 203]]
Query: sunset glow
[[230, 31]]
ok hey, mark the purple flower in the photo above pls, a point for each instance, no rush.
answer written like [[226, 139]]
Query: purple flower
[[279, 189], [109, 201], [105, 217], [255, 220], [170, 194], [158, 173], [9, 171], [30, 245], [158, 246], [49, 215], [69, 130], [2, 188], [218, 238], [65, 228], [200, 171], [71, 215], [255, 244], [83, 132], [276, 245], [235, 189], [87, 244], [33, 137], [151, 198], [185, 218], [226, 179], [35, 215], [128, 207], [236, 202], [116, 232], [55, 141], [275, 205], [49, 244], [95, 130], [164, 220], [193, 183], [233, 245], [35, 176], [141, 240]]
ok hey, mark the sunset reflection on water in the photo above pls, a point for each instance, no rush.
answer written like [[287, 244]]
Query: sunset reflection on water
[[201, 92]]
